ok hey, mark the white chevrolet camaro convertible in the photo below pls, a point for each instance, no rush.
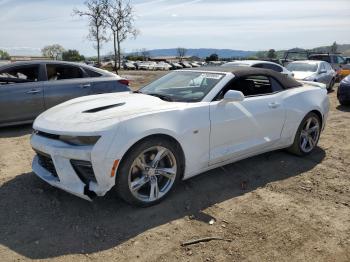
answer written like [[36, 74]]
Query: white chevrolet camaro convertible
[[189, 121]]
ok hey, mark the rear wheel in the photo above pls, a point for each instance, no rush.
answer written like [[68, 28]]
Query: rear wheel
[[307, 136], [149, 172]]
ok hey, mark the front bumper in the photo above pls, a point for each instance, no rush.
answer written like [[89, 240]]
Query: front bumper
[[60, 170]]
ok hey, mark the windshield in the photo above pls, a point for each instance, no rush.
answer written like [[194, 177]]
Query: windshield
[[183, 86], [302, 67]]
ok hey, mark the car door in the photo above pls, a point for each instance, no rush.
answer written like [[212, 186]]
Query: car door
[[330, 72], [253, 125], [323, 74], [64, 82], [21, 94]]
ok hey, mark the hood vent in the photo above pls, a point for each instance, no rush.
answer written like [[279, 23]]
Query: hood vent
[[102, 108]]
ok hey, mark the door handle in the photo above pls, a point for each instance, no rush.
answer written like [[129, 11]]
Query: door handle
[[85, 85], [274, 105], [33, 91]]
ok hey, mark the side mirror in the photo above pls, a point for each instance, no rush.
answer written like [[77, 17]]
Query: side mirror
[[233, 96], [323, 72]]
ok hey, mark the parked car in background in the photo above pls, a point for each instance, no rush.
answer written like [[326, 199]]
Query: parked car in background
[[29, 88], [146, 65], [260, 64], [343, 92], [175, 66], [316, 71], [129, 66], [335, 60], [162, 66], [344, 71], [195, 64], [185, 123], [185, 64], [92, 63]]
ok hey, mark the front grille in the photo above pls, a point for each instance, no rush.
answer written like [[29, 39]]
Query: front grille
[[84, 170], [46, 162]]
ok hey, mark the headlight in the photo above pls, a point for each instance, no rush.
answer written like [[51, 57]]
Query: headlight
[[310, 78], [80, 140]]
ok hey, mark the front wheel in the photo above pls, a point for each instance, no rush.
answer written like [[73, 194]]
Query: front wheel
[[149, 171], [307, 136], [331, 85]]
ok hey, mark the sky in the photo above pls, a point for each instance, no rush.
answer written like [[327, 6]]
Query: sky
[[28, 25]]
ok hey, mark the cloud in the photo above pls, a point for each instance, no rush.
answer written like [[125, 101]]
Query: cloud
[[239, 24]]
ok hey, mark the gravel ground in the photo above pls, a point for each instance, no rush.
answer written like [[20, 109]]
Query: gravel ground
[[273, 207]]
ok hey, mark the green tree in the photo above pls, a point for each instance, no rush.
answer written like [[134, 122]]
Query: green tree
[[333, 48], [271, 54], [72, 55], [4, 55], [212, 57], [52, 51]]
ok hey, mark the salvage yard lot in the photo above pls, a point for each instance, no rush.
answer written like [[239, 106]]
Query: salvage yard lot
[[273, 207]]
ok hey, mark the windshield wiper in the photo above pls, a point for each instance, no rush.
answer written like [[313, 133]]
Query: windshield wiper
[[163, 97]]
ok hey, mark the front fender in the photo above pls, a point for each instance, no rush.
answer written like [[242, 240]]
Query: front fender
[[190, 128]]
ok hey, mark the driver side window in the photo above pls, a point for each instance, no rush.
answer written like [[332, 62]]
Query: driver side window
[[252, 86]]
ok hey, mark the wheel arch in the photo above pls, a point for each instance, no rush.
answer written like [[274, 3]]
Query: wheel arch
[[152, 136], [319, 114]]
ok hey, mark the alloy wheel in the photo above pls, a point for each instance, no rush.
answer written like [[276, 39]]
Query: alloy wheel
[[152, 174], [309, 134]]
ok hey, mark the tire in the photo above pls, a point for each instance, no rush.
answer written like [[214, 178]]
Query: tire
[[141, 174], [344, 103], [299, 148], [331, 85]]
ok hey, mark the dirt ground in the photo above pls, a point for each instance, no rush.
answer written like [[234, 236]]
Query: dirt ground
[[273, 207]]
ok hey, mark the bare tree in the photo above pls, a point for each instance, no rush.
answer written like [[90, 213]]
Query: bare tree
[[181, 52], [119, 17], [145, 54], [52, 51], [97, 31]]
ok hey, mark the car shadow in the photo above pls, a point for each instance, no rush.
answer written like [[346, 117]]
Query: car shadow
[[15, 131], [343, 108], [40, 222]]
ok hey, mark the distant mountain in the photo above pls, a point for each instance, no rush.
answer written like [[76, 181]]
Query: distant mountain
[[202, 52], [342, 48], [22, 51]]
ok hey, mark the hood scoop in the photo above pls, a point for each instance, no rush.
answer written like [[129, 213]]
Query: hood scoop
[[102, 108]]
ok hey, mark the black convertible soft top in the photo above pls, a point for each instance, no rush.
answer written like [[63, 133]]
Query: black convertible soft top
[[286, 81]]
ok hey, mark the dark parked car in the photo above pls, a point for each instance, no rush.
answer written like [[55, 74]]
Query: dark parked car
[[343, 93], [29, 88]]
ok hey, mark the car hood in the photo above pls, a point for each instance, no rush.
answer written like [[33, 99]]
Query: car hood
[[100, 111], [302, 75], [346, 81]]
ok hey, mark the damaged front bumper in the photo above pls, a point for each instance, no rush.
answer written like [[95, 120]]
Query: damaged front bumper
[[67, 167]]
